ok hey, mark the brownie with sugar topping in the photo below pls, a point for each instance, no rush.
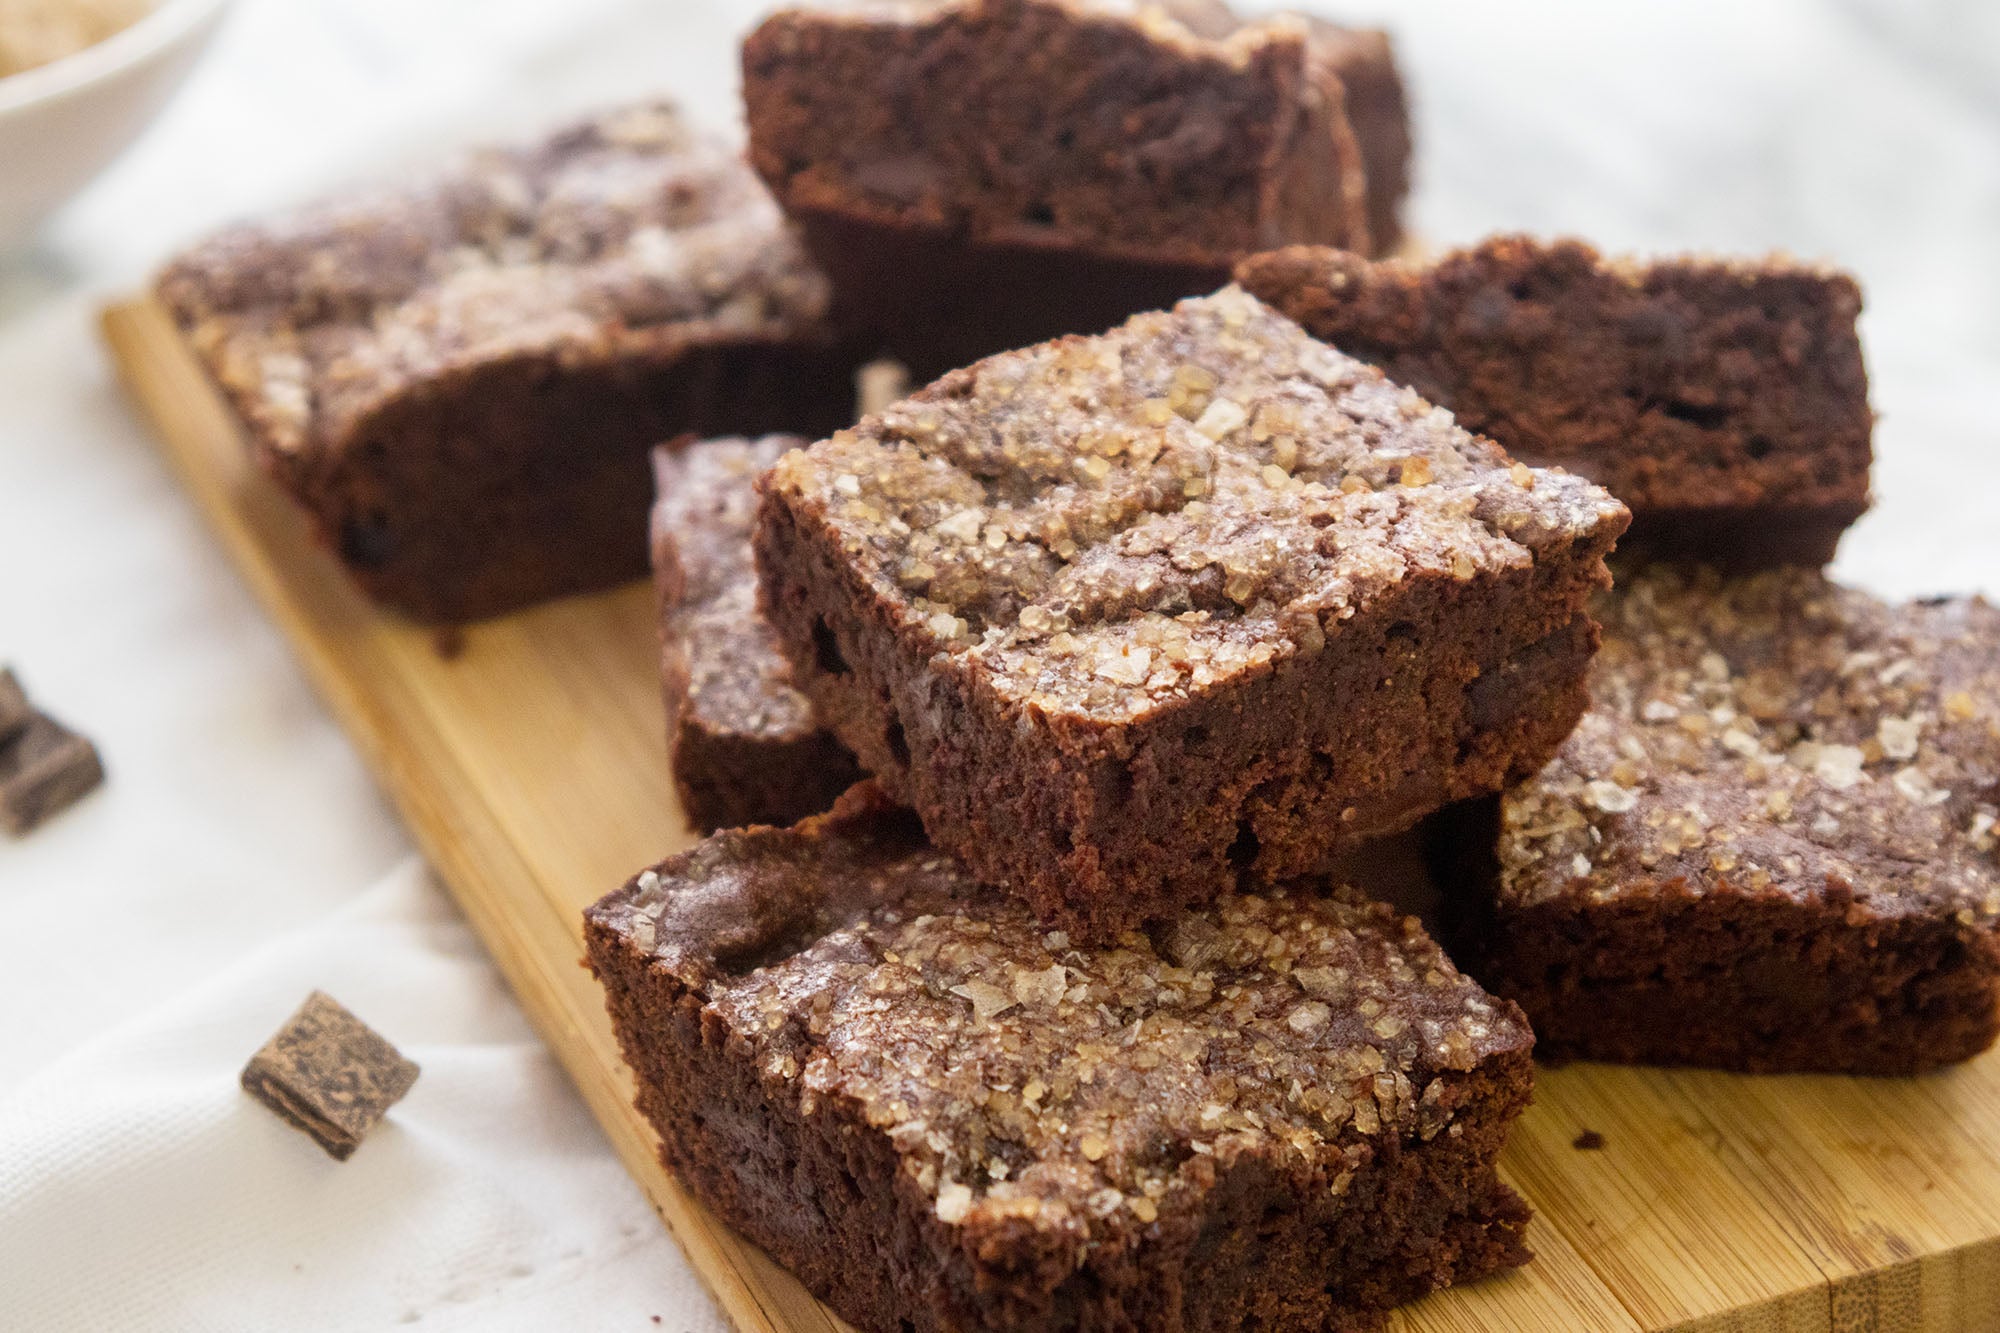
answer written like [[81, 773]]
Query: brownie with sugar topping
[[1280, 1112], [460, 380], [978, 175], [1725, 401], [1132, 618], [1770, 844], [746, 748]]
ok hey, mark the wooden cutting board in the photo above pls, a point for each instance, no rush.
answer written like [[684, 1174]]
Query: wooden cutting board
[[531, 766]]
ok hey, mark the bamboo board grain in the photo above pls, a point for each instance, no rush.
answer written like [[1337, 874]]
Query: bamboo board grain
[[531, 768]]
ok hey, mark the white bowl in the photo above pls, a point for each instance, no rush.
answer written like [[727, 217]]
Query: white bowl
[[63, 122]]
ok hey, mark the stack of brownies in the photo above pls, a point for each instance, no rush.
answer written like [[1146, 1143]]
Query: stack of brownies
[[1032, 708]]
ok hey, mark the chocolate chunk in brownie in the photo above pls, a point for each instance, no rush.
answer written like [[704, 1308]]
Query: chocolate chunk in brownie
[[329, 1074], [461, 380], [44, 769], [745, 745], [1726, 402], [1771, 843], [978, 175], [15, 710], [1129, 618], [1281, 1112]]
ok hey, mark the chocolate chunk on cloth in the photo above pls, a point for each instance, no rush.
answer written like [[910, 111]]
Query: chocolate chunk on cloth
[[329, 1074], [44, 767], [15, 710]]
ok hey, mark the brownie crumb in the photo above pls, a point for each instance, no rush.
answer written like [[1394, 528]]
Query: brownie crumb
[[1588, 1141], [44, 766], [329, 1074]]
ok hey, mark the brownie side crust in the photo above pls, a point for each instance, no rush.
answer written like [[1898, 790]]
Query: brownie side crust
[[1364, 59], [984, 174], [460, 380], [1280, 1113], [1770, 844], [1726, 403], [1129, 619], [746, 748]]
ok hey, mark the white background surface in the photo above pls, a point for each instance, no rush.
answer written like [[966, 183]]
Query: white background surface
[[151, 939]]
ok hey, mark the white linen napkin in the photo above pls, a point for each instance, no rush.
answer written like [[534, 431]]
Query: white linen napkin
[[140, 1187]]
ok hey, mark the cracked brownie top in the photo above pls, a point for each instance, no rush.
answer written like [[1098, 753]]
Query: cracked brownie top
[[1776, 732], [623, 234], [1102, 525], [737, 680], [1028, 1079]]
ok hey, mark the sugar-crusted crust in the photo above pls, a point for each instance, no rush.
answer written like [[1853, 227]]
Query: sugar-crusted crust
[[1805, 779], [633, 232], [1043, 1131], [746, 747], [1005, 591], [1724, 400], [460, 377]]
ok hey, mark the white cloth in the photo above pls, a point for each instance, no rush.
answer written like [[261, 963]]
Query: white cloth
[[153, 937]]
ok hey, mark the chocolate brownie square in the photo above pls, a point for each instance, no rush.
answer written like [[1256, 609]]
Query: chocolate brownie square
[[1281, 1112], [1378, 111], [1130, 618], [978, 175], [746, 748], [1770, 844], [1726, 402], [461, 380]]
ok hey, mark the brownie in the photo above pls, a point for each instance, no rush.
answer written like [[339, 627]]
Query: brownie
[[461, 380], [1724, 401], [1130, 617], [1280, 1113], [977, 175], [1378, 111], [745, 746], [1770, 844]]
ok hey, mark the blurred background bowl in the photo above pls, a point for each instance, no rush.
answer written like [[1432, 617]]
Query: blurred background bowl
[[64, 122]]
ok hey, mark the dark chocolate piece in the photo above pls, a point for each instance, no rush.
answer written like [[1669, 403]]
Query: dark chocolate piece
[[1130, 618], [15, 710], [44, 769], [1770, 845], [329, 1074], [1278, 1113], [1725, 402], [461, 380], [746, 747]]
